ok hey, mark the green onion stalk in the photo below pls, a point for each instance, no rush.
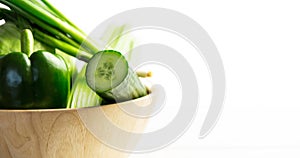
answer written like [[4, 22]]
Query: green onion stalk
[[49, 26]]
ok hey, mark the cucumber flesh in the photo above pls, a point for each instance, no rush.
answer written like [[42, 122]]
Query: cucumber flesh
[[109, 75], [106, 70]]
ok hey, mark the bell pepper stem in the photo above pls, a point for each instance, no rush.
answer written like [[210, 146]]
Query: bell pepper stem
[[27, 42]]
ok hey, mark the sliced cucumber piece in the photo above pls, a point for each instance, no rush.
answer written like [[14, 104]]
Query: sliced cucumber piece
[[106, 70], [110, 77]]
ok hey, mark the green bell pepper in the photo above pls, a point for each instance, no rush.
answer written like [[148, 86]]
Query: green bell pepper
[[38, 80]]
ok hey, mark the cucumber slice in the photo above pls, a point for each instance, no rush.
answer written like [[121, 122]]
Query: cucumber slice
[[110, 77], [106, 70]]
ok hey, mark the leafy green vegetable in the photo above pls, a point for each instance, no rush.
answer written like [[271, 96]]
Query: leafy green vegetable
[[81, 94]]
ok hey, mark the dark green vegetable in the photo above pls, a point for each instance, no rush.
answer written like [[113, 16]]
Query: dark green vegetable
[[15, 81], [39, 81], [10, 41]]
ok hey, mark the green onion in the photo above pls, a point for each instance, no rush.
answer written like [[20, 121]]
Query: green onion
[[69, 49], [47, 17]]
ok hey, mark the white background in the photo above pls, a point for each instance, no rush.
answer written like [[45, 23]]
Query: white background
[[258, 41]]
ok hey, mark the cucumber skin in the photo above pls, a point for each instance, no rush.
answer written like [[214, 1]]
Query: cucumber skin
[[130, 88]]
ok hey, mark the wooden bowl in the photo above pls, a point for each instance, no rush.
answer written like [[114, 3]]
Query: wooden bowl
[[61, 133]]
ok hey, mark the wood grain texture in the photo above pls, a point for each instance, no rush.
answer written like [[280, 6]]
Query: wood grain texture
[[61, 133]]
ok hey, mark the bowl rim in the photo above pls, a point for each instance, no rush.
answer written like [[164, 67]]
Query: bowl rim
[[72, 109]]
